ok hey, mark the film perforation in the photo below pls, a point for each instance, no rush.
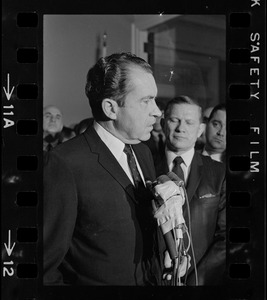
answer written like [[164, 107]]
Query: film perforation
[[27, 55], [239, 56], [27, 270], [27, 198], [27, 91], [240, 19], [27, 127], [27, 163], [239, 163], [27, 19], [27, 235], [239, 127], [239, 91], [239, 271], [239, 235], [240, 199]]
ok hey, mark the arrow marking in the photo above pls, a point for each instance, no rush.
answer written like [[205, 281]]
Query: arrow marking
[[7, 91], [8, 247]]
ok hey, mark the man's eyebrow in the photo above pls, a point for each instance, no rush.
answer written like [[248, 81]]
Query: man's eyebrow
[[49, 113], [148, 97], [217, 121]]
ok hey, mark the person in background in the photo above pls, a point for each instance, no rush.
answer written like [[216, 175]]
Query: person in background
[[204, 181], [98, 224], [54, 132], [215, 133], [201, 141], [156, 143], [52, 127]]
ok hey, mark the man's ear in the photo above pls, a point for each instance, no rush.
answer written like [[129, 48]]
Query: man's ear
[[201, 129], [110, 108]]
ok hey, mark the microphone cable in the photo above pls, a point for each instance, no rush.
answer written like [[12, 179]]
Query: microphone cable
[[190, 233]]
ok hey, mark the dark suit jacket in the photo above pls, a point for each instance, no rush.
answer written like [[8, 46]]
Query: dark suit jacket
[[207, 201], [96, 230]]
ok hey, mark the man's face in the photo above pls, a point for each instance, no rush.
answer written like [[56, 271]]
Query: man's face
[[52, 120], [136, 117], [182, 127], [216, 132]]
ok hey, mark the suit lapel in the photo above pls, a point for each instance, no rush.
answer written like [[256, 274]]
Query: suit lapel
[[143, 161], [194, 176], [108, 161]]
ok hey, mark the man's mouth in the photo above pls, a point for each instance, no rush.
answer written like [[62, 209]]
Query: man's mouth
[[218, 140], [178, 137]]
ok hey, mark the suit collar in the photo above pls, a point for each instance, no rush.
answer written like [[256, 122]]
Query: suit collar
[[144, 163], [110, 164]]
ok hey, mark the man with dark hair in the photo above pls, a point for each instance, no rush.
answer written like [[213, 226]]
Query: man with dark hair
[[201, 141], [98, 224], [216, 134], [204, 180]]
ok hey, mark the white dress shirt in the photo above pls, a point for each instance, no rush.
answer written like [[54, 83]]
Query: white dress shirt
[[116, 146], [186, 165]]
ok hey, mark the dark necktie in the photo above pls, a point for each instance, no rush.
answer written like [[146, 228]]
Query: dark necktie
[[177, 169], [138, 182], [161, 145], [49, 147]]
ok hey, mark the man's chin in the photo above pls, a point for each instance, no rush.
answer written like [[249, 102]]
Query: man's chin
[[145, 137], [138, 140]]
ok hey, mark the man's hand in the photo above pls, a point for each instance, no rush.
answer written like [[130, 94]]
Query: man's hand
[[168, 266]]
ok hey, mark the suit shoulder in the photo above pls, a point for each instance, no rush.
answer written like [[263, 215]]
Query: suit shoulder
[[143, 146], [69, 145], [213, 164], [143, 149]]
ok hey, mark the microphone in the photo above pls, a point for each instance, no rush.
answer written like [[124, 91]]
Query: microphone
[[168, 234], [174, 177]]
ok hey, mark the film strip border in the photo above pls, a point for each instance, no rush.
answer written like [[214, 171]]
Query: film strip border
[[245, 149], [22, 154]]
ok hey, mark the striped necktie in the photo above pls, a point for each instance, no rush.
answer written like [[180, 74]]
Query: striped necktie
[[138, 182]]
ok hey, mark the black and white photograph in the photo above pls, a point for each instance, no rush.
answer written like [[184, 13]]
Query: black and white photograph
[[132, 150], [96, 229]]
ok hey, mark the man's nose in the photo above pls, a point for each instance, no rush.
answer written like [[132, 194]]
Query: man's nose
[[179, 126], [222, 131], [156, 111]]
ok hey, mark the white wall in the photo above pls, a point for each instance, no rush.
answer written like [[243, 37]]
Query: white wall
[[70, 46]]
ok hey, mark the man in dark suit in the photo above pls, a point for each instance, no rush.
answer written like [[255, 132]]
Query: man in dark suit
[[204, 181], [215, 146], [98, 224], [52, 127]]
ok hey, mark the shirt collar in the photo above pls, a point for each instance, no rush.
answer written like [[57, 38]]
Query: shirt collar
[[187, 157], [214, 156], [115, 145]]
